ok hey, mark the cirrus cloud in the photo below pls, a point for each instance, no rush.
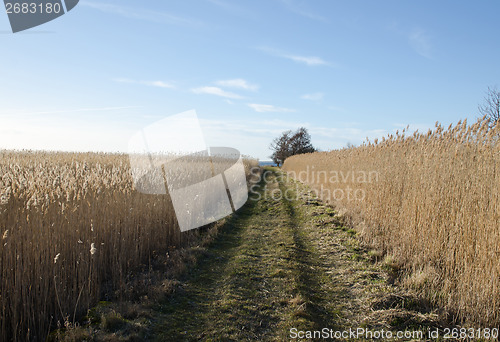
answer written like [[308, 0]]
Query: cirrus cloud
[[238, 83], [313, 96], [311, 60], [263, 108], [420, 42], [308, 60], [216, 91], [159, 84]]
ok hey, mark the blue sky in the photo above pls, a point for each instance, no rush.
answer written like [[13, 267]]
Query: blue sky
[[251, 69]]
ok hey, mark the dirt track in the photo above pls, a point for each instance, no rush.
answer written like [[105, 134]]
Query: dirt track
[[284, 263], [283, 268]]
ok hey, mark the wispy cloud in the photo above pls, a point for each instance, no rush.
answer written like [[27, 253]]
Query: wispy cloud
[[124, 80], [297, 8], [263, 108], [159, 84], [141, 13], [216, 91], [238, 83], [308, 60], [420, 42], [417, 38], [313, 96]]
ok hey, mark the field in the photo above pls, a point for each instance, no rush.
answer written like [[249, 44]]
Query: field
[[72, 230], [429, 204]]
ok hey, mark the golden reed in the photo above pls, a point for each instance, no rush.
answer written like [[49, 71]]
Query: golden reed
[[430, 202], [71, 227]]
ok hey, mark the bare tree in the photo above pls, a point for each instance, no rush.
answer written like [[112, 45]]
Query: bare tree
[[290, 143], [301, 142], [491, 106], [281, 147]]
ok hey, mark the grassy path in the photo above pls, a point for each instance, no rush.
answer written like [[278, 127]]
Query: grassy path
[[256, 283], [278, 264], [283, 264]]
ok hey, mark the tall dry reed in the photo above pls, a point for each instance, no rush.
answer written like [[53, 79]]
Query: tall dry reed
[[72, 227], [430, 201]]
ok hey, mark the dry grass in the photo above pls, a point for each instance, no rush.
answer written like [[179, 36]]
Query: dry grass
[[72, 228], [431, 203]]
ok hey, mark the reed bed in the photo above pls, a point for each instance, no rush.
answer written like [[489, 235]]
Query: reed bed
[[72, 229], [429, 202]]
